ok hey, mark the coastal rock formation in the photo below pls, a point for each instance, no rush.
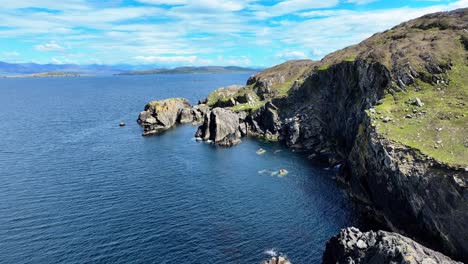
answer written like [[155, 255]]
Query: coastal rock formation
[[353, 109], [264, 123], [162, 115], [221, 126], [354, 246]]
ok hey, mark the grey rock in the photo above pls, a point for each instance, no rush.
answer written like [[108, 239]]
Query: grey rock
[[162, 115], [220, 126], [418, 102], [353, 246]]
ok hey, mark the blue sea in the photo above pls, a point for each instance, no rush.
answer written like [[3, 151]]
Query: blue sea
[[77, 188]]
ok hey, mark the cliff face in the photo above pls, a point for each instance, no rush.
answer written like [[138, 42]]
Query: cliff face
[[409, 191]]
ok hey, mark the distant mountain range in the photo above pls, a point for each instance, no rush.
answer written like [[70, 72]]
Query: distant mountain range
[[8, 69], [199, 70], [33, 68]]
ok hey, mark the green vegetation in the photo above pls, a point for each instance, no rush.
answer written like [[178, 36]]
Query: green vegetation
[[323, 68], [464, 40], [248, 107], [438, 129], [350, 59]]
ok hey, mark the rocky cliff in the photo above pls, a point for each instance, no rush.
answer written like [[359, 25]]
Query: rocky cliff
[[354, 246], [390, 110]]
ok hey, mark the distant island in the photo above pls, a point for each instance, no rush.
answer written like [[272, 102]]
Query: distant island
[[195, 70], [47, 74], [16, 70]]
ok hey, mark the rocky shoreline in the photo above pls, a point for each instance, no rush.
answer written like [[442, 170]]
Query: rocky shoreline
[[326, 112]]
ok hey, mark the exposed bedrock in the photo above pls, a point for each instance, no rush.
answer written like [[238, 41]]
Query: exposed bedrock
[[162, 115], [356, 247], [220, 126]]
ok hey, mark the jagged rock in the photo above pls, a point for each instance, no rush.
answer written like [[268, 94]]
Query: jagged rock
[[221, 126], [162, 115], [186, 115], [265, 122], [356, 247], [293, 132], [199, 112]]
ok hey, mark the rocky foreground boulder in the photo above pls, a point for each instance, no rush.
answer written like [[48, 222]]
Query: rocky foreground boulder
[[162, 115], [354, 246]]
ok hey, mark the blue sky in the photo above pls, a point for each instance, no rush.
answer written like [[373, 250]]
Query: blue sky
[[171, 33]]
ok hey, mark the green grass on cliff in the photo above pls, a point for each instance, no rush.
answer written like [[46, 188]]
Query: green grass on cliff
[[439, 128]]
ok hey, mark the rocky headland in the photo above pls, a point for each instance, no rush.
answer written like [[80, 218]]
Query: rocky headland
[[390, 111]]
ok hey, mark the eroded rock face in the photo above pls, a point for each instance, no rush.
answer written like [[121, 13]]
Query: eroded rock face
[[264, 123], [354, 246], [162, 115], [415, 194], [220, 126]]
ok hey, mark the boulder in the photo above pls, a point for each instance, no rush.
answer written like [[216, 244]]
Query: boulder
[[162, 115], [220, 126], [353, 246]]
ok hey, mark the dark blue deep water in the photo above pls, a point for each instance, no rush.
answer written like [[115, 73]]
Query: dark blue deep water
[[77, 188]]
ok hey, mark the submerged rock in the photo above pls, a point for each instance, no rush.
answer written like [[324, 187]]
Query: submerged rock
[[122, 124], [261, 151], [354, 246]]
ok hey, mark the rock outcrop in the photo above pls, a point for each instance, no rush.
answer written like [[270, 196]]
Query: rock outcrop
[[264, 122], [162, 115], [354, 246], [220, 126]]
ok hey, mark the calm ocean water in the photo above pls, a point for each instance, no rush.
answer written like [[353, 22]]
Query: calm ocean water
[[77, 188]]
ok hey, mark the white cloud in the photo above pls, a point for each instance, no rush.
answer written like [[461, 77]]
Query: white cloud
[[9, 54], [172, 60], [292, 6], [360, 2], [56, 61], [201, 5], [192, 31], [47, 4], [292, 55], [50, 47]]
